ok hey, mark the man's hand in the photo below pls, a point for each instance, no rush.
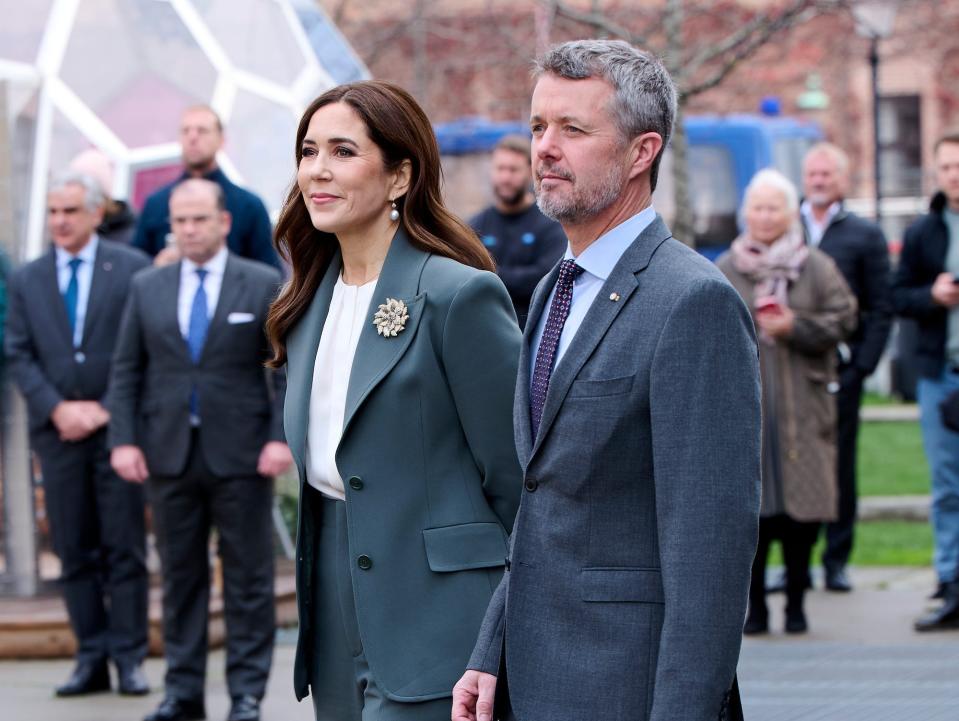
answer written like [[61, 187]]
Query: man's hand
[[170, 254], [473, 697], [778, 323], [129, 463], [944, 291], [274, 459], [76, 420]]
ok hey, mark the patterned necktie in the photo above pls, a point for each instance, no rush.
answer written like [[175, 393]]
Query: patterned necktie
[[196, 334], [546, 354], [71, 295]]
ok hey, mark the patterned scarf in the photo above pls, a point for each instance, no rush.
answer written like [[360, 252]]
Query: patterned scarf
[[771, 267]]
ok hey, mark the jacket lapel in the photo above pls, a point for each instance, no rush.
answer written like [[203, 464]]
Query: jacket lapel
[[521, 419], [99, 291], [231, 289], [301, 346], [599, 317], [54, 301], [376, 355]]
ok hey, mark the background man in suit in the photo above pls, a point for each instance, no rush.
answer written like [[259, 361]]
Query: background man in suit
[[860, 251], [194, 409], [250, 236], [64, 311], [637, 423], [524, 243]]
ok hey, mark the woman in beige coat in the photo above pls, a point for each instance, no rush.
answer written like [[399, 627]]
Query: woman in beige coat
[[803, 310]]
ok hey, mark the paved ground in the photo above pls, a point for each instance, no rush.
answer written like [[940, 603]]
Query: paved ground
[[861, 660]]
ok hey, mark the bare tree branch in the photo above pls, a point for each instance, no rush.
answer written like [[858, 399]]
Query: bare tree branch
[[595, 20]]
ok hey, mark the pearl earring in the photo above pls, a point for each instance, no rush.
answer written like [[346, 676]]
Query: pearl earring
[[394, 213]]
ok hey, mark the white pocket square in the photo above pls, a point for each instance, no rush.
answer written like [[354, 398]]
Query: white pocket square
[[235, 318]]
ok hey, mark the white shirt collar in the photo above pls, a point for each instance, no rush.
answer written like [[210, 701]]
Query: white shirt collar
[[832, 212], [604, 253], [214, 266], [88, 254]]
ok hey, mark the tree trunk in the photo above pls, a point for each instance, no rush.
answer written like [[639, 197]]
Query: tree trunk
[[683, 225]]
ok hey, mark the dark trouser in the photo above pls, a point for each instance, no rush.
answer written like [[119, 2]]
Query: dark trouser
[[839, 534], [184, 509], [341, 684], [797, 538], [96, 524]]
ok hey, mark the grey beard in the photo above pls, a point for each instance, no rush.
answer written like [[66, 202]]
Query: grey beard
[[584, 203]]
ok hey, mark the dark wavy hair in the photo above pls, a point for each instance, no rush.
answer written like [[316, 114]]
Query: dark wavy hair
[[400, 129]]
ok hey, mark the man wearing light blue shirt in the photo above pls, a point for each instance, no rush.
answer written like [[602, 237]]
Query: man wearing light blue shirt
[[637, 423], [62, 321]]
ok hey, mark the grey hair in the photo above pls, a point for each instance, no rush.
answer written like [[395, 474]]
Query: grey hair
[[771, 178], [93, 197], [837, 154], [644, 96]]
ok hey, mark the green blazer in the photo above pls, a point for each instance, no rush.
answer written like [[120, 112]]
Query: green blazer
[[429, 463]]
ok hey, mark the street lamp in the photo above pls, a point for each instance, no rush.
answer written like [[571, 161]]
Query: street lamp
[[875, 20]]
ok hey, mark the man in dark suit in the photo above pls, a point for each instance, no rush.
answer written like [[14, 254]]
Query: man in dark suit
[[859, 249], [637, 423], [196, 412], [250, 236], [64, 311]]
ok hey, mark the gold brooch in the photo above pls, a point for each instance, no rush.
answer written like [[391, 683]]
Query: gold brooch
[[391, 318]]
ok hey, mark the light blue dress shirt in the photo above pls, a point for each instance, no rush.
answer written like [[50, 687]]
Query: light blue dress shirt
[[598, 261], [84, 280]]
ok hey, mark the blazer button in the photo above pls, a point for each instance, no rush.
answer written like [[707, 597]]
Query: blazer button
[[356, 483], [80, 357], [365, 563], [531, 484]]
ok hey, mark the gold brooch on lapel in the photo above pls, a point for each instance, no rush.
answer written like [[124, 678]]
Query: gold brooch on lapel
[[391, 318]]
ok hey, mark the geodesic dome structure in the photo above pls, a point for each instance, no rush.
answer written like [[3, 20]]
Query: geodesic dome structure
[[117, 74]]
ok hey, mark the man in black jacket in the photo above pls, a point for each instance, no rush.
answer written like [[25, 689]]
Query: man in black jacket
[[61, 330], [859, 249], [251, 235], [925, 288], [524, 243]]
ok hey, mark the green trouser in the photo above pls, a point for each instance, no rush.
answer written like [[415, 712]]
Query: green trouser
[[341, 684]]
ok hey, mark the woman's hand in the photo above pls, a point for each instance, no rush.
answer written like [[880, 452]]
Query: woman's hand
[[778, 323]]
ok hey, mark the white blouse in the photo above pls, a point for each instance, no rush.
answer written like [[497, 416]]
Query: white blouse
[[349, 312]]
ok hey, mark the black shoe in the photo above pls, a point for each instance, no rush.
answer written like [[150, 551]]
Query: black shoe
[[796, 621], [946, 617], [838, 580], [940, 592], [86, 678], [245, 708], [132, 681], [756, 623], [178, 709]]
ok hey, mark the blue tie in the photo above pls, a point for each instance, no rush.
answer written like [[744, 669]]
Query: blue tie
[[72, 294], [196, 333]]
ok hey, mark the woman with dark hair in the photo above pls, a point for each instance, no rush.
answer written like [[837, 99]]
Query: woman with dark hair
[[401, 350]]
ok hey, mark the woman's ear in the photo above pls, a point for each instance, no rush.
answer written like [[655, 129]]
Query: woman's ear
[[402, 177]]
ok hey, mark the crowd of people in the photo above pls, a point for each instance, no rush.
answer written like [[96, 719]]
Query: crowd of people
[[544, 492]]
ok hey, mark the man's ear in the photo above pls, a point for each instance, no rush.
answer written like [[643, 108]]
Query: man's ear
[[402, 177], [643, 150]]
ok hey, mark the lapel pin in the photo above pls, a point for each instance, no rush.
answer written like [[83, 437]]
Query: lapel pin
[[614, 297]]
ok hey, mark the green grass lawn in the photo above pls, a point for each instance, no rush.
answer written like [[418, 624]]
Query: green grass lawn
[[891, 459], [881, 543]]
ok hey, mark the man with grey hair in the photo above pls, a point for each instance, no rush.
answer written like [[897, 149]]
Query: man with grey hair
[[64, 312], [859, 249], [637, 424]]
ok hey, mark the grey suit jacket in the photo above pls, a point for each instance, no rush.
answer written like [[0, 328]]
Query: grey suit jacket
[[39, 342], [241, 405], [427, 456], [631, 554]]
